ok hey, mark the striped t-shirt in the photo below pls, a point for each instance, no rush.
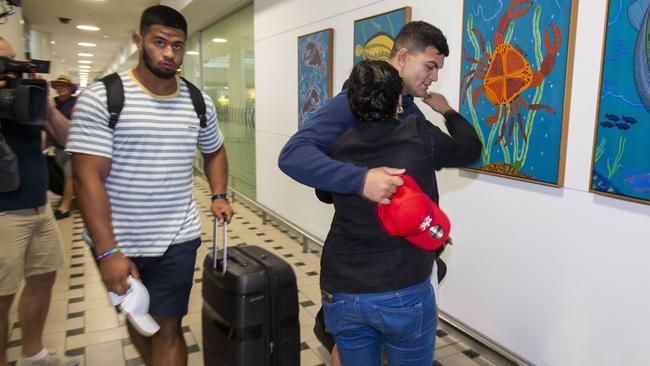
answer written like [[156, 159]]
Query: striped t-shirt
[[152, 148]]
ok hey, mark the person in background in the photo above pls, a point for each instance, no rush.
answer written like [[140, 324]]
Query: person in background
[[65, 101]]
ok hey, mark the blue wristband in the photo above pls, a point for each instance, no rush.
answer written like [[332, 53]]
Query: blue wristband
[[107, 253]]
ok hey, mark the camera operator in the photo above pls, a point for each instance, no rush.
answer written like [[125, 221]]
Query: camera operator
[[30, 243]]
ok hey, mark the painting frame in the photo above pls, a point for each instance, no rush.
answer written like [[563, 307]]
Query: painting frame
[[568, 36], [358, 49], [596, 146], [323, 62]]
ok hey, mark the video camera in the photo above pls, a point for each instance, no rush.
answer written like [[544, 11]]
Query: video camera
[[23, 100]]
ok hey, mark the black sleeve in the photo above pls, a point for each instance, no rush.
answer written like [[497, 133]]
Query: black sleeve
[[324, 196], [463, 147]]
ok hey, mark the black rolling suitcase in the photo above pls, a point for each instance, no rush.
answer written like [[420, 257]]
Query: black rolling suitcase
[[250, 308]]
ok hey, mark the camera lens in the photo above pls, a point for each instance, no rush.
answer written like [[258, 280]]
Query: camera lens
[[25, 104]]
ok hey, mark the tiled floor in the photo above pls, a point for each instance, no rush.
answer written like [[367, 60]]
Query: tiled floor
[[82, 323]]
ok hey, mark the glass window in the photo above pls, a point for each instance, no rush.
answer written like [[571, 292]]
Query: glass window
[[191, 70], [228, 64]]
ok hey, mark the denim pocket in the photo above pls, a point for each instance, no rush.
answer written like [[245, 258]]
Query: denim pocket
[[402, 323], [334, 314]]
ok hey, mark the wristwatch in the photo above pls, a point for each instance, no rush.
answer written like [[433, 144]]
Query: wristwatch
[[219, 196]]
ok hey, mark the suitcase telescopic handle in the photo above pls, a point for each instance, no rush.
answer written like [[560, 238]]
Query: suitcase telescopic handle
[[215, 241]]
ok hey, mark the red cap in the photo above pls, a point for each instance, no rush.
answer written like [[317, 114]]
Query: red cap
[[413, 215]]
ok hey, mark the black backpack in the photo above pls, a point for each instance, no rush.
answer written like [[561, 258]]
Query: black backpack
[[115, 99]]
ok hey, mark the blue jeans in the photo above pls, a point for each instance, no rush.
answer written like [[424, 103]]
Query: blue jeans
[[403, 322]]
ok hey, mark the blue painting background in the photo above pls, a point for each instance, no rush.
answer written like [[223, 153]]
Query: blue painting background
[[542, 158], [365, 29], [314, 77], [619, 97]]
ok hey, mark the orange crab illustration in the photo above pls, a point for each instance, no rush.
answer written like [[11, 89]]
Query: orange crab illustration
[[508, 73]]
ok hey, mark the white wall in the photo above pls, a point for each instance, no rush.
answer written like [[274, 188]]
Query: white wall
[[558, 276]]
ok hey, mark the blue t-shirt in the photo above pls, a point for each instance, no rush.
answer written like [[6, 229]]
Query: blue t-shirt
[[25, 141], [66, 107]]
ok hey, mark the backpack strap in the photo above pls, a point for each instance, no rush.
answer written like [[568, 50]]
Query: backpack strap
[[114, 97], [197, 101]]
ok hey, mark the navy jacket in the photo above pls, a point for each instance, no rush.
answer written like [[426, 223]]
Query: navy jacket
[[305, 156]]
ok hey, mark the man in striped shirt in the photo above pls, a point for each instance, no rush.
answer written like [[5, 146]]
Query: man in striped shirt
[[135, 181]]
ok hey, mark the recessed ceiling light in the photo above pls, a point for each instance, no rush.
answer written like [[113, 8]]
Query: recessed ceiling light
[[84, 54], [88, 27], [52, 42], [85, 66], [106, 36], [86, 44], [192, 52], [85, 62], [219, 40]]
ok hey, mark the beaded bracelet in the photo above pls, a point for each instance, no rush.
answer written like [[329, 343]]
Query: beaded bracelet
[[107, 253]]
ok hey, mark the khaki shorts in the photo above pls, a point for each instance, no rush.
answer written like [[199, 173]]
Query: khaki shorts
[[30, 244]]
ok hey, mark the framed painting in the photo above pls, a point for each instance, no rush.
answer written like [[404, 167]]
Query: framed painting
[[314, 72], [516, 67], [374, 36], [621, 153]]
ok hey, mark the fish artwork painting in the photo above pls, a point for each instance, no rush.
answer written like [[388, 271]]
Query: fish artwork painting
[[314, 73], [515, 63], [621, 152], [374, 36]]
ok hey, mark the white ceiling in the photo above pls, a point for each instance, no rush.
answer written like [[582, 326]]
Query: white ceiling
[[118, 20]]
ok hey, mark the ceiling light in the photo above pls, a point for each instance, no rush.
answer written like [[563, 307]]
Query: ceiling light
[[52, 42], [219, 40], [83, 54], [86, 44], [192, 52], [105, 36], [88, 27], [85, 67], [85, 62]]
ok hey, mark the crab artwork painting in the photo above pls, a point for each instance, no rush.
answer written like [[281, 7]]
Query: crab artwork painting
[[513, 84]]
